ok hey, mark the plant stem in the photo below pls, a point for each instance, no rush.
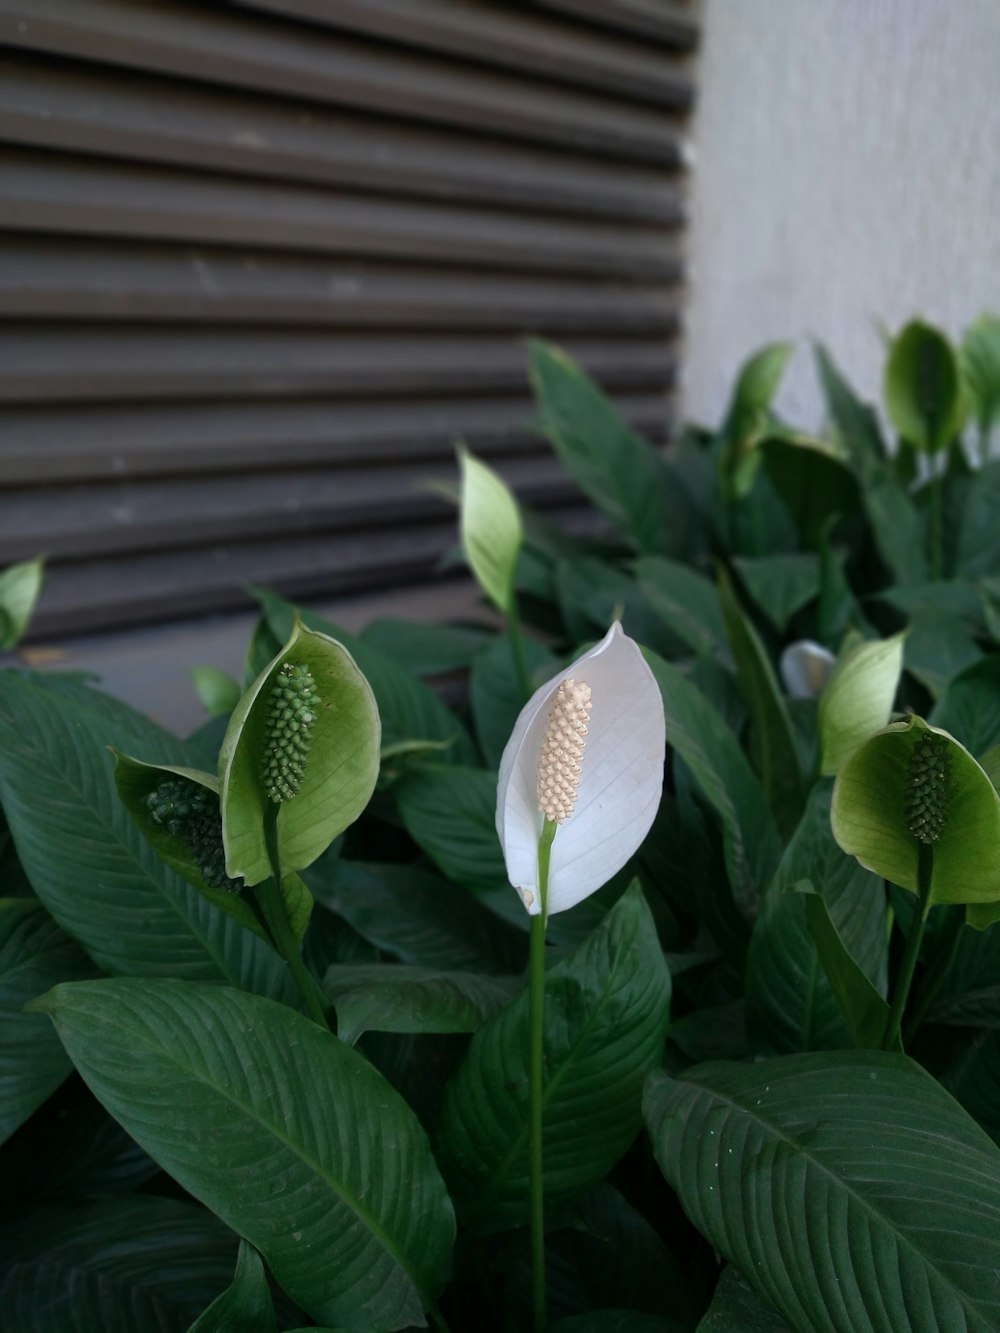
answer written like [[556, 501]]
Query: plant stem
[[272, 905], [939, 970], [536, 1022], [516, 636], [925, 868]]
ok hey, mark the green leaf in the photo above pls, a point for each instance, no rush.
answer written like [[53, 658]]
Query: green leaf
[[687, 602], [855, 423], [491, 530], [117, 1264], [976, 539], [495, 691], [813, 479], [20, 586], [593, 593], [427, 650], [923, 387], [379, 997], [615, 1321], [350, 1214], [246, 1306], [748, 413], [869, 817], [94, 871], [772, 741], [419, 917], [137, 782], [340, 768], [736, 1308], [938, 647], [216, 689], [896, 527], [858, 698], [980, 356], [972, 1076], [970, 706], [780, 585], [864, 1009], [791, 1006], [707, 745], [450, 813], [409, 709], [606, 1013], [34, 955], [782, 1165], [615, 468]]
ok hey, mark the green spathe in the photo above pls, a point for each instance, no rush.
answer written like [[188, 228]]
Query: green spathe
[[491, 529], [923, 387], [872, 809], [858, 698], [338, 773]]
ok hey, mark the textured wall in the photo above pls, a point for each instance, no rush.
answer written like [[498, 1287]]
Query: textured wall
[[847, 172]]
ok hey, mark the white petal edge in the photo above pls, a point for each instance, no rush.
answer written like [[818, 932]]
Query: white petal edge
[[620, 785], [806, 666]]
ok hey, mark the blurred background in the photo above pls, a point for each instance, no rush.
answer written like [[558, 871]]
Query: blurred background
[[264, 262]]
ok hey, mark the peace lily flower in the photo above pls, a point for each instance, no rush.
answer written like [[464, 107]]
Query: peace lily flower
[[585, 762], [805, 668]]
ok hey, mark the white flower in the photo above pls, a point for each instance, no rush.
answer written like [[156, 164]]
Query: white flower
[[604, 787], [805, 668]]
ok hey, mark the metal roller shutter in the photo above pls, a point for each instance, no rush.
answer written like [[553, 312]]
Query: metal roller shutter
[[262, 263]]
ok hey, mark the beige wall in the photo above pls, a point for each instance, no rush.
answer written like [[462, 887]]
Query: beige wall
[[847, 171]]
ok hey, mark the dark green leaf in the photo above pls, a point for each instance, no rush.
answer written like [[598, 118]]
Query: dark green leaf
[[784, 1164], [213, 1082], [923, 387], [863, 1008], [972, 1076], [970, 706], [616, 469], [772, 741], [812, 478], [380, 997], [855, 423], [736, 1308], [244, 1307], [707, 745], [615, 1321], [419, 917], [450, 813], [780, 585], [938, 647], [116, 1265], [977, 539], [791, 1005], [592, 593], [496, 694], [896, 527], [686, 601], [749, 406], [606, 1010], [93, 870], [34, 955], [427, 650]]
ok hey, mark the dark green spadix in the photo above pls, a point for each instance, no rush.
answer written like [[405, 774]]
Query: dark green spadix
[[290, 722], [191, 813]]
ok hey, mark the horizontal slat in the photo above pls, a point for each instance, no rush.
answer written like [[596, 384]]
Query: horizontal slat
[[150, 588], [83, 442], [221, 46], [50, 278], [93, 109], [128, 363], [669, 24], [485, 34], [58, 194], [128, 516]]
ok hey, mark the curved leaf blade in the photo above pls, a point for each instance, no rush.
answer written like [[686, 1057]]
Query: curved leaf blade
[[606, 1015], [244, 1307], [795, 1168], [288, 1135], [491, 528]]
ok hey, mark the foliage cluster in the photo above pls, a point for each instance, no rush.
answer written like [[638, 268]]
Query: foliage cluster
[[772, 1041]]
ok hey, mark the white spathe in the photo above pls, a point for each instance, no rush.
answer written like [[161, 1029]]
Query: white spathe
[[805, 668], [620, 781]]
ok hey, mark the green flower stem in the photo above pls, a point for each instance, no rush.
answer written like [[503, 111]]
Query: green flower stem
[[536, 1020], [272, 905], [516, 637], [948, 944], [925, 869]]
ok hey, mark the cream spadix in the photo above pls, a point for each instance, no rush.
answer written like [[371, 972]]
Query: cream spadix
[[586, 751]]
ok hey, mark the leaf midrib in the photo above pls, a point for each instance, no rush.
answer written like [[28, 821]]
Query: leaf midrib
[[342, 1193], [866, 1206]]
